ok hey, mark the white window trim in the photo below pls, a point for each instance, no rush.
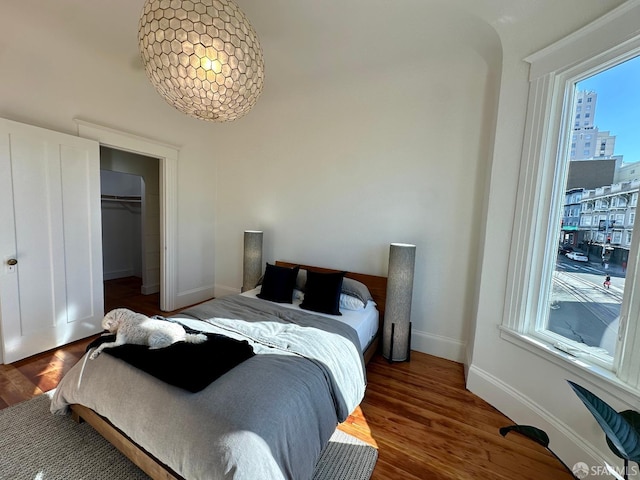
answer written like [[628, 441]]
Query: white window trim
[[601, 44]]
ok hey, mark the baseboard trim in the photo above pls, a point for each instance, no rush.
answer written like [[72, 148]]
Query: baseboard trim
[[524, 411], [191, 297], [150, 289], [117, 274], [438, 345]]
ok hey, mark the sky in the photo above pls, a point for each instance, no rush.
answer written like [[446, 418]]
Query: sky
[[618, 106]]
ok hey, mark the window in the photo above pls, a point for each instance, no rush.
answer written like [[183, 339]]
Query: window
[[550, 299], [576, 311]]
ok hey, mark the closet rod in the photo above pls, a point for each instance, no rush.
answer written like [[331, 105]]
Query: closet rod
[[122, 198]]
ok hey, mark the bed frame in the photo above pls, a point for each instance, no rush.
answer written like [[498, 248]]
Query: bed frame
[[154, 467]]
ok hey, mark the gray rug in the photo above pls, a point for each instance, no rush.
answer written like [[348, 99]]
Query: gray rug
[[36, 445]]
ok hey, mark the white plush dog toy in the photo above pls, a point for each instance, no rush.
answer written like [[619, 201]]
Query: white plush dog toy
[[138, 329]]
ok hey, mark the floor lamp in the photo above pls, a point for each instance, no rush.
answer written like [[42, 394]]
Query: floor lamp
[[252, 259], [396, 338]]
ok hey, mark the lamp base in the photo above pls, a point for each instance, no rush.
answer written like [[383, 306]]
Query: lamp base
[[408, 357]]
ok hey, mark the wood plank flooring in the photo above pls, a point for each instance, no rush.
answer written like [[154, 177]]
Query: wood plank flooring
[[419, 415], [426, 425]]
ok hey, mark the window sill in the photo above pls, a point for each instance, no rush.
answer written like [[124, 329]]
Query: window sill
[[580, 367]]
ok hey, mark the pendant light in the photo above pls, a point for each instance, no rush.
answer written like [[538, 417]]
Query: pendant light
[[202, 56]]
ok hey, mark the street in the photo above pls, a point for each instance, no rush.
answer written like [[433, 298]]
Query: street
[[581, 308]]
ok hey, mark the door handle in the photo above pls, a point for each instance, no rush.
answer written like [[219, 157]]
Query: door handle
[[12, 262]]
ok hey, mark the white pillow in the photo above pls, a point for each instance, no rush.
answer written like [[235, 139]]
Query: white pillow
[[351, 303]]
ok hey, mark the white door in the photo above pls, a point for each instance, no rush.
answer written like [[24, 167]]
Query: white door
[[50, 226]]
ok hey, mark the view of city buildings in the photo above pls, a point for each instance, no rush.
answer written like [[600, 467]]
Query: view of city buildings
[[602, 191]]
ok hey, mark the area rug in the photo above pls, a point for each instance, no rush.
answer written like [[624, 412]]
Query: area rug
[[36, 445]]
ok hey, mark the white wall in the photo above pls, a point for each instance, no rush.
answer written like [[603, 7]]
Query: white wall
[[121, 225], [528, 388], [337, 167]]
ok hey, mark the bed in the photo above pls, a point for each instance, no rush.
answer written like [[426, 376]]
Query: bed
[[269, 416]]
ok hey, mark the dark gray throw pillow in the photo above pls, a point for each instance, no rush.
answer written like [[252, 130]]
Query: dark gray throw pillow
[[322, 292], [356, 289], [278, 283]]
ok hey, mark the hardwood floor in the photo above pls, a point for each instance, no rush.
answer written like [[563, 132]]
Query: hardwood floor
[[419, 415], [125, 293], [426, 425]]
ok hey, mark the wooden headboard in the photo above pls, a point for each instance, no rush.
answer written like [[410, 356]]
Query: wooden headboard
[[376, 285]]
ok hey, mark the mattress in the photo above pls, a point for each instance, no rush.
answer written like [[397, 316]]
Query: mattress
[[364, 322], [268, 417]]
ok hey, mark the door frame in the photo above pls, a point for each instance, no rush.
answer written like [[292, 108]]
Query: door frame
[[168, 158]]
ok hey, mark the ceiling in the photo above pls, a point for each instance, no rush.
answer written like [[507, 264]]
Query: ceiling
[[315, 33], [308, 42]]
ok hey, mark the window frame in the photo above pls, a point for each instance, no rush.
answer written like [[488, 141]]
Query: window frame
[[554, 71]]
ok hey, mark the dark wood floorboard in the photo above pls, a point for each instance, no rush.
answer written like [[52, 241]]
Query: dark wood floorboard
[[419, 415], [125, 293]]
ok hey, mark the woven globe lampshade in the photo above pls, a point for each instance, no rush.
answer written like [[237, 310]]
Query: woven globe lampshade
[[202, 56]]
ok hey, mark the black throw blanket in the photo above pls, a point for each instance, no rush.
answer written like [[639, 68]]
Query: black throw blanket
[[191, 366]]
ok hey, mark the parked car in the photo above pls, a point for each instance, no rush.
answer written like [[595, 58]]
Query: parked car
[[577, 256], [564, 249]]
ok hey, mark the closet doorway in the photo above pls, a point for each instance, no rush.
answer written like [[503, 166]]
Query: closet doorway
[[130, 205]]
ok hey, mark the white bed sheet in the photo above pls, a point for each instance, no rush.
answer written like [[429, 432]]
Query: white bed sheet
[[364, 322]]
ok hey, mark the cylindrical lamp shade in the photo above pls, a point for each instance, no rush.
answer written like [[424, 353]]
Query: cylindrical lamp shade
[[396, 337], [252, 259]]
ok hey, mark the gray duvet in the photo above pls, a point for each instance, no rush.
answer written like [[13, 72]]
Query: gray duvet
[[267, 418]]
